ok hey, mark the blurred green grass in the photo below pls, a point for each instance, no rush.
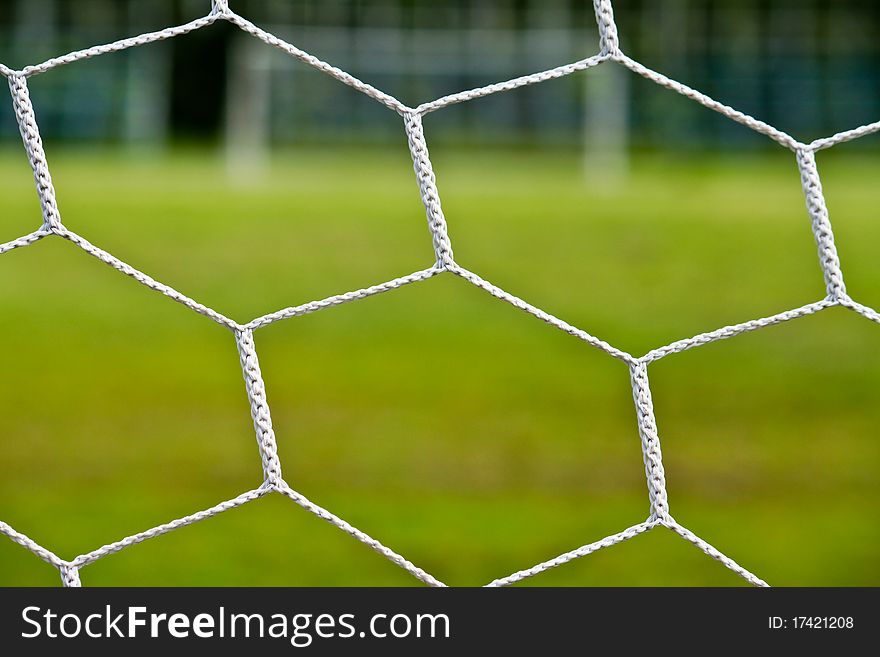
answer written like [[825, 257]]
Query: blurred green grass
[[471, 438]]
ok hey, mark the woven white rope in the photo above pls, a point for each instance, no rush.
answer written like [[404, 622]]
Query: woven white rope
[[256, 391], [144, 279], [219, 7], [418, 148], [582, 551], [30, 134], [508, 85], [659, 514], [821, 225], [339, 299], [311, 60], [70, 576], [562, 325], [726, 332], [690, 537], [686, 91], [608, 40], [25, 240], [112, 548], [861, 309], [846, 135], [654, 472], [364, 538], [121, 44], [28, 543]]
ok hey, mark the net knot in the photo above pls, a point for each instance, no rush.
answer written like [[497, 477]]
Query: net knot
[[220, 7], [70, 576]]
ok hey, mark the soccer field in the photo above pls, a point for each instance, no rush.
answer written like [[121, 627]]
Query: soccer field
[[471, 438]]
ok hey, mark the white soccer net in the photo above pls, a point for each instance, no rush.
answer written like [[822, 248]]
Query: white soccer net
[[609, 52]]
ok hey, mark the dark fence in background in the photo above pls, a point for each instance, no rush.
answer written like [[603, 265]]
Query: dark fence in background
[[810, 67]]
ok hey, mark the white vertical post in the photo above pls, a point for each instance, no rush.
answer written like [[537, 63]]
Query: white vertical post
[[248, 96], [147, 86], [606, 108], [606, 124]]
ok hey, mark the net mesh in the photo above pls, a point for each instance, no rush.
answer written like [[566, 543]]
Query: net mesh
[[445, 264]]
